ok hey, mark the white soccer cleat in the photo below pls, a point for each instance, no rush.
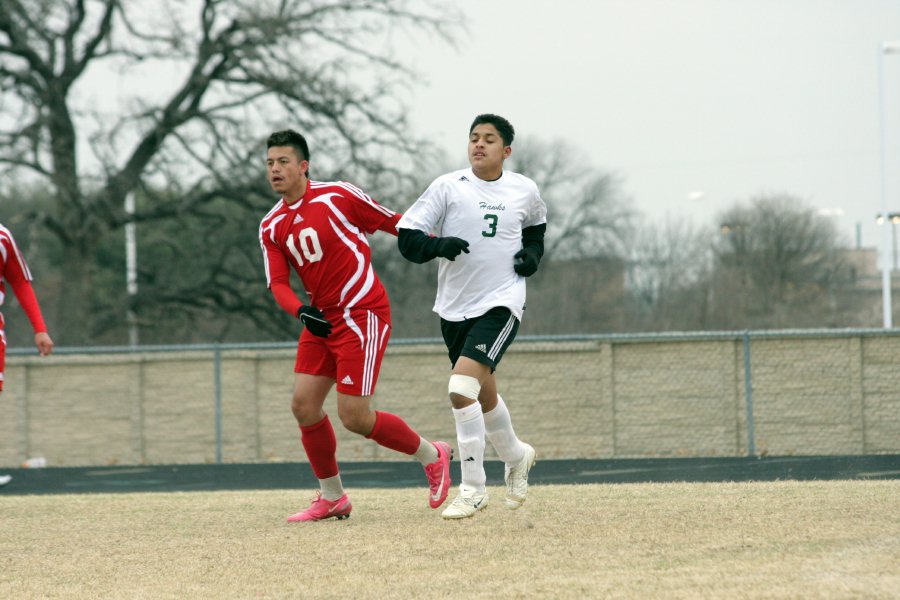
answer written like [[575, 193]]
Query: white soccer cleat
[[517, 479], [467, 503]]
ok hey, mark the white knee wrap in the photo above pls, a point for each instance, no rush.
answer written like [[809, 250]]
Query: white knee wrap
[[464, 385]]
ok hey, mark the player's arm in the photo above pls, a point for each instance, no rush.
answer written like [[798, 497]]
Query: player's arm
[[389, 225], [366, 212], [309, 315], [278, 273], [285, 297], [21, 285], [25, 295], [419, 247], [414, 242], [529, 257], [19, 278], [278, 277]]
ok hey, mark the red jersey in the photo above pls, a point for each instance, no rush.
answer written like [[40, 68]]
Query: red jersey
[[14, 270], [323, 237]]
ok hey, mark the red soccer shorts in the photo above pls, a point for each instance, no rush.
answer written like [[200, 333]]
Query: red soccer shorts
[[351, 355]]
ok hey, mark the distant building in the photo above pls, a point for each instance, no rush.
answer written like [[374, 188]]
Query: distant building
[[863, 265]]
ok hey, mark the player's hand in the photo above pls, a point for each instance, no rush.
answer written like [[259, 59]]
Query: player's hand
[[313, 319], [44, 343], [451, 247], [526, 262]]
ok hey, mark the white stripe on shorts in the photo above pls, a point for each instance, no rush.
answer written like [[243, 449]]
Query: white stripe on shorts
[[376, 335], [371, 352], [501, 339], [371, 341]]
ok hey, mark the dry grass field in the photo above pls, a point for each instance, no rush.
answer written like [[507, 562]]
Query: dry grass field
[[788, 539]]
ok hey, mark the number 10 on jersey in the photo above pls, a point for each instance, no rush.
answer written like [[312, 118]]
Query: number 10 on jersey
[[309, 246]]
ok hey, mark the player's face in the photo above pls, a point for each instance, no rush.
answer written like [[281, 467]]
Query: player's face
[[286, 172], [487, 152]]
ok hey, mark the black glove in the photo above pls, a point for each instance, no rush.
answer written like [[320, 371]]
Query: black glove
[[450, 247], [314, 320], [526, 262]]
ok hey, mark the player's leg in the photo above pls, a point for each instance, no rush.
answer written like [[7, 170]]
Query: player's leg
[[517, 456], [313, 380], [475, 346], [316, 431], [384, 428], [4, 479], [2, 351], [359, 348], [486, 340], [463, 390], [498, 425]]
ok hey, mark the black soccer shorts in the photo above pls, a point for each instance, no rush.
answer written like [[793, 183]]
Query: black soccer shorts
[[484, 339]]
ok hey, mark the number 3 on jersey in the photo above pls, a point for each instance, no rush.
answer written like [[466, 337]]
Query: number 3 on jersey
[[491, 230], [309, 246]]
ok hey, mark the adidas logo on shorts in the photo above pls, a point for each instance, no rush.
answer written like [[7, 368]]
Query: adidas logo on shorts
[[482, 348], [346, 380]]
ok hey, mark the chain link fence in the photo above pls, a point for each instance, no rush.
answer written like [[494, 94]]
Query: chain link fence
[[810, 392]]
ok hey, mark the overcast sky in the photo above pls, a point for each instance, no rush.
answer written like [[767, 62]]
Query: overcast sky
[[697, 104]]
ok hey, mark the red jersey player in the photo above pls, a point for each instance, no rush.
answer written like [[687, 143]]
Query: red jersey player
[[14, 270], [318, 230]]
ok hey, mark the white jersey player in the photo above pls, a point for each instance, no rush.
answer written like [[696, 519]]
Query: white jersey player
[[490, 216], [488, 225]]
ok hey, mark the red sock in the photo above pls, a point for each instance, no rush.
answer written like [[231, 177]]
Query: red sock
[[392, 432], [321, 446]]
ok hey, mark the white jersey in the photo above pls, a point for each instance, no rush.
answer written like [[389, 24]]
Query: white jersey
[[490, 215]]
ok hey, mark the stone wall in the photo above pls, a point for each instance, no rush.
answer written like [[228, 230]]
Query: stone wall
[[591, 398]]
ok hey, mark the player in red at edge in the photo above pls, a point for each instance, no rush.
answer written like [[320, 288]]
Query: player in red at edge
[[14, 270], [319, 229]]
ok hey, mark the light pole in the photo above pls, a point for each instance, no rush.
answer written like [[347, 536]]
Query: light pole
[[893, 219], [883, 49], [131, 270]]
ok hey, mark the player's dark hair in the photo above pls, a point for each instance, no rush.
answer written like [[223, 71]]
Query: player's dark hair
[[504, 127], [291, 138]]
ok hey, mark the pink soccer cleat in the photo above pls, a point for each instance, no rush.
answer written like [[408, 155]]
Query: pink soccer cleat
[[438, 474], [322, 509]]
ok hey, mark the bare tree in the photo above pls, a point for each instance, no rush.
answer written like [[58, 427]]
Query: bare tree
[[580, 286], [588, 214], [668, 272], [777, 264], [225, 73]]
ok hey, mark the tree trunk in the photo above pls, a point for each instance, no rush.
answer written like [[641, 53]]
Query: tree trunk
[[75, 317]]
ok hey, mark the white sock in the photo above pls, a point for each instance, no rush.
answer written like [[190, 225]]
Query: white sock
[[499, 431], [331, 488], [427, 453], [470, 439]]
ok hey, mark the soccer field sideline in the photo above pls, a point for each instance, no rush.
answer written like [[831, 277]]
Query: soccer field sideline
[[286, 475]]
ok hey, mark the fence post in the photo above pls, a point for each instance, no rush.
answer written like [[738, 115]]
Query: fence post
[[23, 442], [138, 446], [217, 378], [748, 396]]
